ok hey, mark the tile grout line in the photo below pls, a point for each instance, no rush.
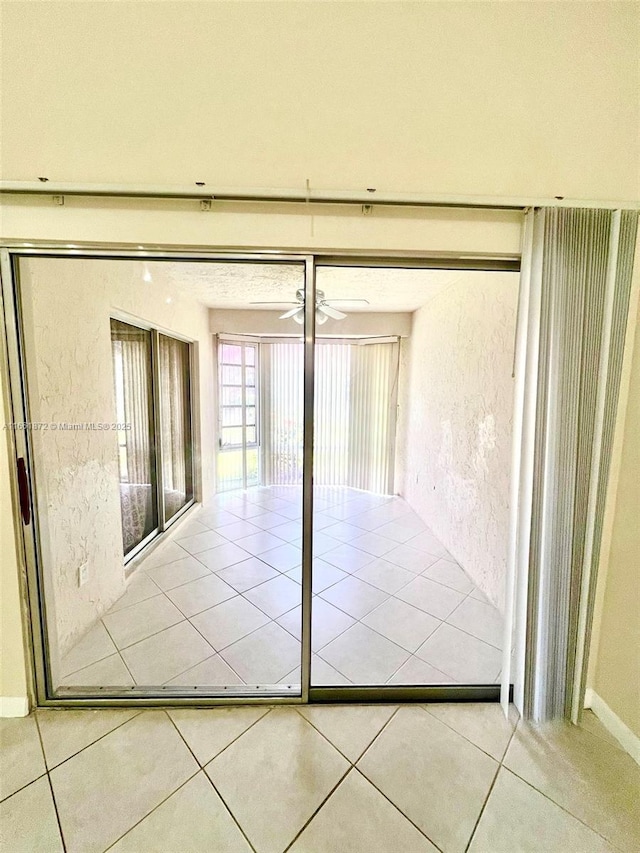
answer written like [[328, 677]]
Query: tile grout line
[[201, 768], [50, 782], [135, 713], [542, 793]]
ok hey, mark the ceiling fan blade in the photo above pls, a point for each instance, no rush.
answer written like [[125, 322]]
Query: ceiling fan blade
[[331, 312], [351, 301], [291, 313]]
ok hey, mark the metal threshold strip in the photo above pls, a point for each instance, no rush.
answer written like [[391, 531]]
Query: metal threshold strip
[[199, 191]]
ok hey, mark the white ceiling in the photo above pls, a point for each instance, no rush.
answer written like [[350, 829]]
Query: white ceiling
[[237, 285]]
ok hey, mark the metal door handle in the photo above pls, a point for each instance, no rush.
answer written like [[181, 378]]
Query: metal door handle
[[23, 489]]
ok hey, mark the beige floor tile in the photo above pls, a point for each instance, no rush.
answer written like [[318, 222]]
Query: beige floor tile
[[288, 767], [258, 543], [323, 542], [463, 657], [290, 531], [228, 622], [483, 723], [160, 658], [591, 779], [358, 819], [410, 558], [201, 594], [373, 543], [237, 530], [192, 820], [450, 574], [216, 518], [401, 623], [591, 723], [427, 541], [247, 574], [327, 623], [276, 596], [141, 620], [110, 672], [364, 656], [140, 588], [432, 597], [265, 656], [517, 817], [350, 728], [324, 575], [347, 558], [212, 672], [399, 531], [385, 576], [209, 731], [201, 541], [28, 822], [416, 671], [481, 620], [433, 775], [354, 596], [95, 645], [323, 674], [223, 556], [168, 552], [65, 732], [343, 531], [133, 770], [21, 759], [284, 557], [170, 575], [181, 529]]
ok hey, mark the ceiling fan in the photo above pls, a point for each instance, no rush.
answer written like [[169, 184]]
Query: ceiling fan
[[324, 307]]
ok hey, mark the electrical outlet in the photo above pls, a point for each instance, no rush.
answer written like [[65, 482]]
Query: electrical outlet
[[83, 574]]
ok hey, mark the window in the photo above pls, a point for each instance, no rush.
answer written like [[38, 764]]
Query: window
[[154, 437], [239, 443]]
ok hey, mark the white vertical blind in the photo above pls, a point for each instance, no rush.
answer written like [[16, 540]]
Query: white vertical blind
[[355, 413]]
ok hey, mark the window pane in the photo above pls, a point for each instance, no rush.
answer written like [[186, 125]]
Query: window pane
[[232, 416], [230, 470], [231, 396], [253, 470], [250, 396], [131, 357], [251, 414], [231, 436], [250, 376], [251, 435], [175, 421], [231, 375], [231, 354], [250, 355]]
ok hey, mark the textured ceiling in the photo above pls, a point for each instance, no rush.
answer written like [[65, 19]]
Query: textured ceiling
[[237, 285]]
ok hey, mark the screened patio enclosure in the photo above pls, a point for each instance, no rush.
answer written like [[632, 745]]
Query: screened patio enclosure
[[261, 404]]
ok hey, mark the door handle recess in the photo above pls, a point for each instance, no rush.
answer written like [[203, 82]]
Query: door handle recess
[[23, 490]]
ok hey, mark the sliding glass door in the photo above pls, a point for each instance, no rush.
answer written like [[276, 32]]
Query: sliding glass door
[[135, 428], [275, 542], [174, 375]]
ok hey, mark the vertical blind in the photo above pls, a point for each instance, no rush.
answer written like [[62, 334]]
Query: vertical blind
[[355, 413], [585, 283], [175, 420]]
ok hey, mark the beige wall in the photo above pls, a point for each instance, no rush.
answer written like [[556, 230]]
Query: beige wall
[[67, 304], [500, 99], [456, 448], [615, 654]]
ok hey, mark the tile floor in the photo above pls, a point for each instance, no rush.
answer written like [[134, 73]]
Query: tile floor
[[219, 604], [313, 779]]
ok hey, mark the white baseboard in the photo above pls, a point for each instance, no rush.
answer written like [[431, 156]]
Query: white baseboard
[[14, 706], [629, 741]]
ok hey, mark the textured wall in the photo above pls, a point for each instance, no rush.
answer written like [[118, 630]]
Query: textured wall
[[455, 448], [67, 306]]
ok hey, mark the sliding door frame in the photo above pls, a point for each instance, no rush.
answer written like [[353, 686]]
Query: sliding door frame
[[24, 492]]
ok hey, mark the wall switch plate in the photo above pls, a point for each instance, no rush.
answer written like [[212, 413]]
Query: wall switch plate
[[83, 574]]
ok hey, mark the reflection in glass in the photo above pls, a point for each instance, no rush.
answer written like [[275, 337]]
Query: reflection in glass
[[175, 420], [131, 353]]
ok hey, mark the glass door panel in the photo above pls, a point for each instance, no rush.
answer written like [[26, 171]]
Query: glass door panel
[[211, 604], [413, 407]]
